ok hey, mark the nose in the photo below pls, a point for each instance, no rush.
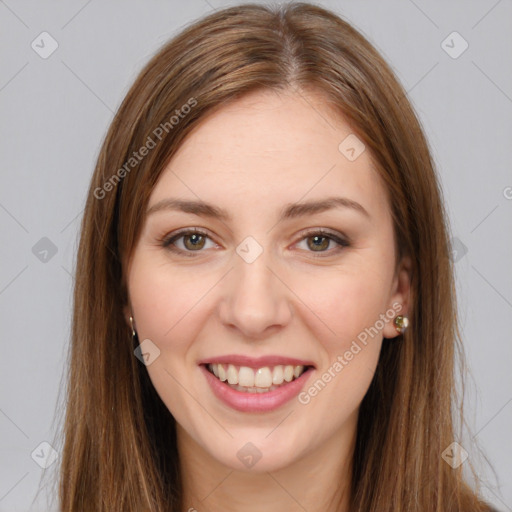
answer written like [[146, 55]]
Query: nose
[[255, 300]]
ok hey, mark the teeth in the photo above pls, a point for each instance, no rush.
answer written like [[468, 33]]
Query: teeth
[[263, 378], [260, 380], [253, 389], [245, 377], [232, 374], [220, 370], [278, 375]]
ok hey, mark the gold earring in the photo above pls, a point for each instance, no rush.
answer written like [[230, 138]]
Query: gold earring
[[401, 324], [133, 330]]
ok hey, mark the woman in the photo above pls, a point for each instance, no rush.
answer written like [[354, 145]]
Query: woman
[[264, 309]]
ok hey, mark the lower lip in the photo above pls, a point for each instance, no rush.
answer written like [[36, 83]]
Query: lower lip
[[255, 402]]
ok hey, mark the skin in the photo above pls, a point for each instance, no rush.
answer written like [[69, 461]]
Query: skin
[[251, 158]]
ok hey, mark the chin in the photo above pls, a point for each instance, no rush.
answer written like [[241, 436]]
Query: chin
[[253, 453]]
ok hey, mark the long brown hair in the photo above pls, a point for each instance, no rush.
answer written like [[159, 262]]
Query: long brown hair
[[119, 448]]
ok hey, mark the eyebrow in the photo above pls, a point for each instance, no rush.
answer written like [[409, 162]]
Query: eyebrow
[[289, 211]]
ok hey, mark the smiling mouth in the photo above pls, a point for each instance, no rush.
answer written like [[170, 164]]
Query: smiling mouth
[[257, 380]]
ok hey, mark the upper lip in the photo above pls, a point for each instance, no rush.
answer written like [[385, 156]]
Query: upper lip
[[256, 362]]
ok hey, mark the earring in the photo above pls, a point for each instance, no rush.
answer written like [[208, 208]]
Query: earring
[[133, 330], [401, 324]]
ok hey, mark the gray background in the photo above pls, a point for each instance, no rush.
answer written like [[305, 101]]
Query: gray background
[[55, 112]]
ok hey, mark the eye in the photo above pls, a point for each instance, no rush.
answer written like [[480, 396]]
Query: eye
[[193, 241], [320, 240]]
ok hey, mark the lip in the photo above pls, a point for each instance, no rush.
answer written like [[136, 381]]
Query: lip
[[256, 362], [255, 402]]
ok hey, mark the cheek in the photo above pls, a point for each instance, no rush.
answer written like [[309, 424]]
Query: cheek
[[341, 305], [344, 315], [167, 307], [165, 299], [345, 321]]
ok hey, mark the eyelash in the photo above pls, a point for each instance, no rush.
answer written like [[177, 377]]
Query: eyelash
[[168, 242]]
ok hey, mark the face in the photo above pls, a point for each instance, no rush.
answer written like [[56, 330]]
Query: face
[[313, 288]]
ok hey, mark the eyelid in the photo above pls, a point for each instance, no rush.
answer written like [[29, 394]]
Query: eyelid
[[326, 232], [185, 231]]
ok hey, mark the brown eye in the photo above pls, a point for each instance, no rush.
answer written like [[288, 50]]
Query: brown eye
[[196, 241], [186, 242], [318, 242]]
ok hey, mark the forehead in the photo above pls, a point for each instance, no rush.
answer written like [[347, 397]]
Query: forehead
[[272, 147]]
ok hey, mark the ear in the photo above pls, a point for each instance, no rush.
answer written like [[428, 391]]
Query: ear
[[401, 295]]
